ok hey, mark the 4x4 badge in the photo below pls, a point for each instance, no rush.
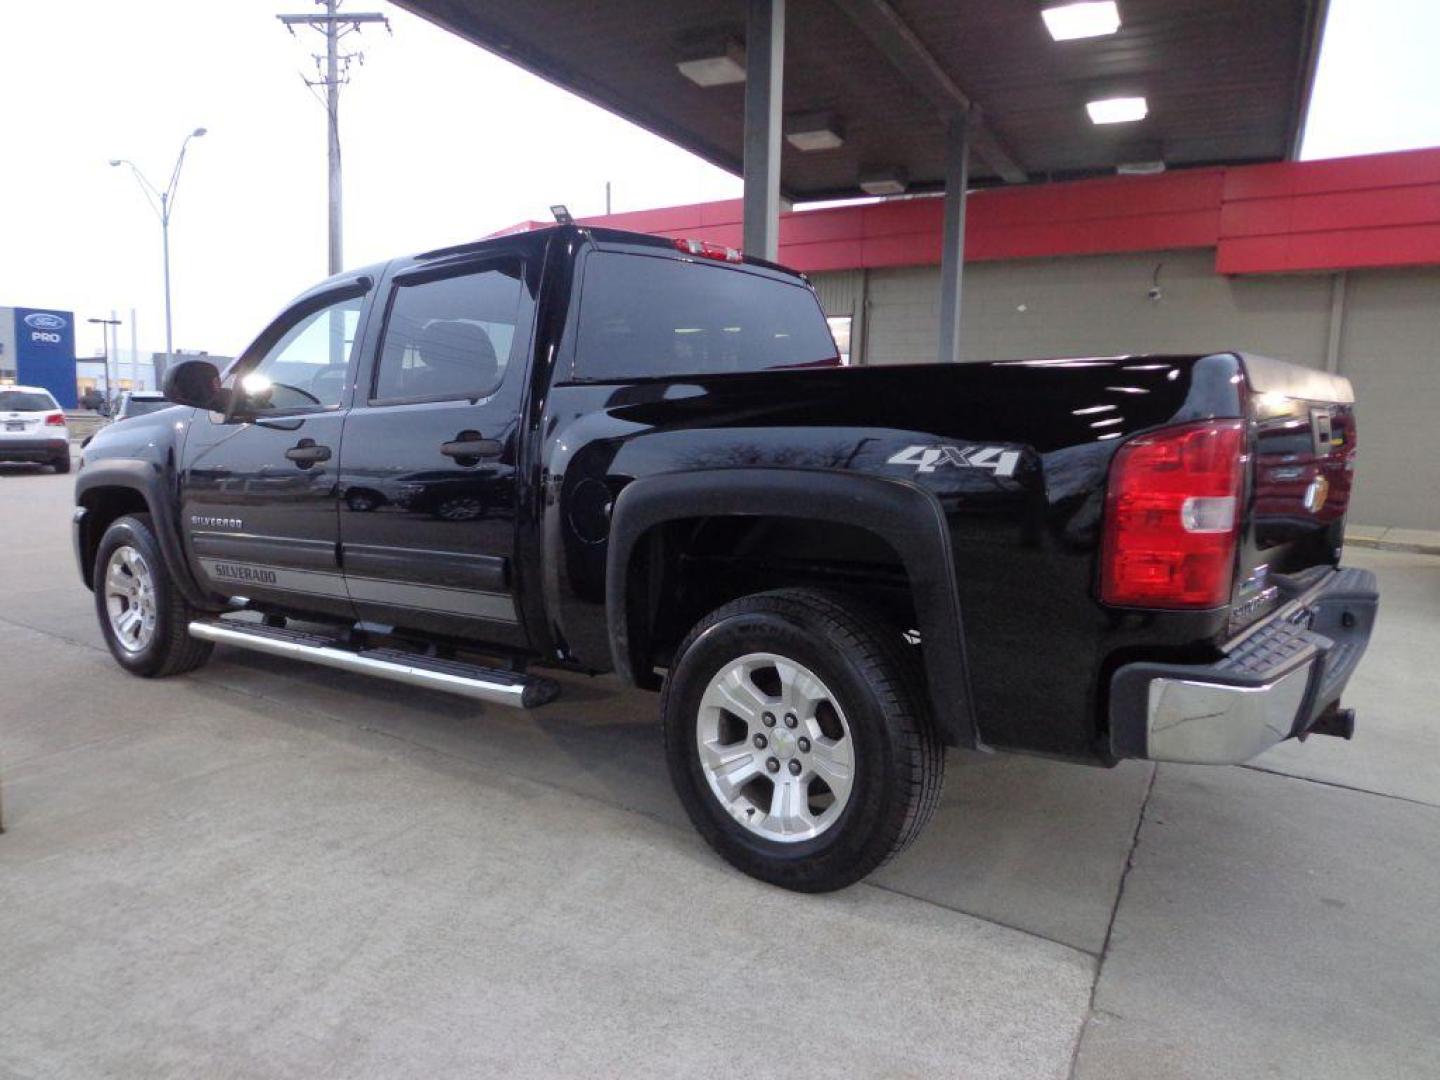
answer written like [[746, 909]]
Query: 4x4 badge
[[927, 459]]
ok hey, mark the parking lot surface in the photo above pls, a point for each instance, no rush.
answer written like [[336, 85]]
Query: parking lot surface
[[265, 869]]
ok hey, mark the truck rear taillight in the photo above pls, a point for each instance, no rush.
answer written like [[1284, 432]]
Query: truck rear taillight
[[55, 419], [1171, 517], [706, 250]]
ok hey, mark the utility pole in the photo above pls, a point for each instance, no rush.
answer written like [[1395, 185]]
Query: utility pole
[[332, 72], [607, 198]]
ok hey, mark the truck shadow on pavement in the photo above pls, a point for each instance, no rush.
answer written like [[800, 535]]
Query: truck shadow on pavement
[[1036, 845]]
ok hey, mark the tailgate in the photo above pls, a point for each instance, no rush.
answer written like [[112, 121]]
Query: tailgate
[[1302, 440]]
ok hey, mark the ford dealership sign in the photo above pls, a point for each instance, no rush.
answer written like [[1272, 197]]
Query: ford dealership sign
[[44, 320], [39, 348]]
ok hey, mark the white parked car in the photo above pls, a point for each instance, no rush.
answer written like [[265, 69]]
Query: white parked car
[[32, 428]]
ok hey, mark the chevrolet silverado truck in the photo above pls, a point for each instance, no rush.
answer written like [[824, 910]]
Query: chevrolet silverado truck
[[593, 450]]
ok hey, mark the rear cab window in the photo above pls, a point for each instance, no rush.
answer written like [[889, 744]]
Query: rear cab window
[[649, 316]]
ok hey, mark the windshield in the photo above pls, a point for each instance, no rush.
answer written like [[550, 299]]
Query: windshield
[[141, 406], [26, 401]]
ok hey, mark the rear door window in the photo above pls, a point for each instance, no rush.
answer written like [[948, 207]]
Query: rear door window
[[643, 316]]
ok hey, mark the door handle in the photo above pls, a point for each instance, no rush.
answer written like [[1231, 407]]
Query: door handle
[[470, 444], [305, 453]]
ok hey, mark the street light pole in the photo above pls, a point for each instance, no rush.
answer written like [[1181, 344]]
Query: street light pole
[[163, 203], [106, 326]]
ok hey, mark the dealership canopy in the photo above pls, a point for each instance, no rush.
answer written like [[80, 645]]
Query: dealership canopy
[[814, 99], [1224, 80]]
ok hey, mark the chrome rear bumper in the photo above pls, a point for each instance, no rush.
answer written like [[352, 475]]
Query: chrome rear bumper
[[1276, 682]]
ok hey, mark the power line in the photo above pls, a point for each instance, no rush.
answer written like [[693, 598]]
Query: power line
[[332, 71]]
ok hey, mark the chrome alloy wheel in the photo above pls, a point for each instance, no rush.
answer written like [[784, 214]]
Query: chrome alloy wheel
[[775, 747], [130, 598]]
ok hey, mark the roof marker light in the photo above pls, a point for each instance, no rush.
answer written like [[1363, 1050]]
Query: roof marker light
[[1117, 110], [704, 249], [1090, 18]]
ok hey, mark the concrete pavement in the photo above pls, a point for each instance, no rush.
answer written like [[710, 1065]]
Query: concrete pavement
[[264, 869]]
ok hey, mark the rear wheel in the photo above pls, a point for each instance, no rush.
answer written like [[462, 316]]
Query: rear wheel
[[143, 616], [61, 464], [798, 740]]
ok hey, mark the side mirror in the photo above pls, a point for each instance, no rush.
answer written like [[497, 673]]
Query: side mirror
[[193, 382]]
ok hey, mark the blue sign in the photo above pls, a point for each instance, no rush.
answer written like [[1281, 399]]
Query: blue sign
[[45, 352]]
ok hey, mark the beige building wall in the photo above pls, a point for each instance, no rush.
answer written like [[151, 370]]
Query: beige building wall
[[1390, 350], [1388, 338]]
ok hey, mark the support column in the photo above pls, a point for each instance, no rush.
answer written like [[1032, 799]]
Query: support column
[[764, 81], [1338, 284], [952, 240]]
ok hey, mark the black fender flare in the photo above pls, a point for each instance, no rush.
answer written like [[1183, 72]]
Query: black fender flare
[[909, 518], [148, 480]]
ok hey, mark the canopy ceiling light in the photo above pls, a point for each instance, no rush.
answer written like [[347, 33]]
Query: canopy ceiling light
[[883, 181], [715, 66], [1117, 110], [1089, 18], [814, 131]]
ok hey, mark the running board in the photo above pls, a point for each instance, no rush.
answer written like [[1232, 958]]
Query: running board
[[494, 685]]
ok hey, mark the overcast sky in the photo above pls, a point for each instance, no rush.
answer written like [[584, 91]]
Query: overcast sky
[[443, 143]]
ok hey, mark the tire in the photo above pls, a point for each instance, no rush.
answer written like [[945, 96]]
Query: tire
[[167, 648], [871, 692], [61, 465]]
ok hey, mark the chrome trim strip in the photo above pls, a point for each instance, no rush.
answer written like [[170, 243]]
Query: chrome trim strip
[[498, 607], [511, 694], [471, 603], [243, 573]]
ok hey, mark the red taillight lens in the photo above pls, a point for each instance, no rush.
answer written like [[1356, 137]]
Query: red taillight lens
[[706, 250], [1171, 516], [55, 419]]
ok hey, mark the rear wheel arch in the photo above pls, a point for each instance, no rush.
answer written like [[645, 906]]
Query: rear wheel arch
[[905, 518]]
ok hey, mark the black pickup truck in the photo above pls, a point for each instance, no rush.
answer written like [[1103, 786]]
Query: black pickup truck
[[609, 452]]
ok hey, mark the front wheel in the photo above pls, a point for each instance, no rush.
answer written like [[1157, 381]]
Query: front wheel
[[145, 619], [798, 740]]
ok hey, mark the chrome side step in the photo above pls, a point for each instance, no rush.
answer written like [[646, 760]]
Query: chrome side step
[[494, 685]]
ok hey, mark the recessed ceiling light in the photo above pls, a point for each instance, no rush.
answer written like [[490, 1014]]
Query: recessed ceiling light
[[715, 66], [814, 131], [883, 181], [1117, 110], [1090, 18]]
